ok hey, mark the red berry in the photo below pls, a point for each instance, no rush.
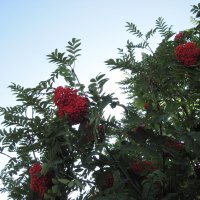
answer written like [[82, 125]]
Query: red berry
[[38, 182], [146, 106], [71, 104], [175, 144], [141, 166], [187, 54], [136, 167], [179, 37], [109, 180], [149, 166]]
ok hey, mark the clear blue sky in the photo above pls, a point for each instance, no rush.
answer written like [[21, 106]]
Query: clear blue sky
[[32, 29]]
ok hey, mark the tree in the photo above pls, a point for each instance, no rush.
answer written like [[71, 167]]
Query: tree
[[62, 139]]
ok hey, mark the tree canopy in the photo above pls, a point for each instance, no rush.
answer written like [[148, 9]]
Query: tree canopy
[[64, 143]]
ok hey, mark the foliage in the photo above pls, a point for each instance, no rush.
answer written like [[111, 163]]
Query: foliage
[[155, 153]]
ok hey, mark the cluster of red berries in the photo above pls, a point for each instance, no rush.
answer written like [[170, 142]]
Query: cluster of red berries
[[179, 37], [72, 105], [146, 166], [38, 182], [146, 106], [188, 54], [109, 179], [175, 144]]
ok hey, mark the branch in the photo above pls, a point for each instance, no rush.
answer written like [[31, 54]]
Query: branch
[[85, 154], [5, 155], [86, 181], [163, 156], [123, 172], [150, 49], [185, 111]]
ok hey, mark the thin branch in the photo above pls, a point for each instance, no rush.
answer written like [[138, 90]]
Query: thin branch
[[123, 172], [5, 155], [76, 77], [86, 181], [34, 155], [32, 136], [93, 157], [73, 72], [185, 111], [160, 126], [150, 49], [163, 154]]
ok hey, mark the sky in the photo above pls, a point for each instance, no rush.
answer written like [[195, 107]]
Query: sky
[[30, 30]]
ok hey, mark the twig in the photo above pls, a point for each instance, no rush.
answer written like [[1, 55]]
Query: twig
[[86, 181], [34, 155], [123, 172], [185, 111], [5, 155], [100, 161], [150, 49]]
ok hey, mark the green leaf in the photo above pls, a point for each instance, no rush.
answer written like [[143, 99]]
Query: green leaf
[[64, 181], [78, 183], [71, 184], [93, 80], [99, 77], [55, 189], [45, 168], [132, 28]]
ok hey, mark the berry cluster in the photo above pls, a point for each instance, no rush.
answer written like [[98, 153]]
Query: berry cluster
[[175, 144], [38, 183], [136, 167], [109, 180], [179, 37], [71, 104], [187, 54], [145, 166], [146, 106]]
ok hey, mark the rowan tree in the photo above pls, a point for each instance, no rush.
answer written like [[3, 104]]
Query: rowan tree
[[64, 143]]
